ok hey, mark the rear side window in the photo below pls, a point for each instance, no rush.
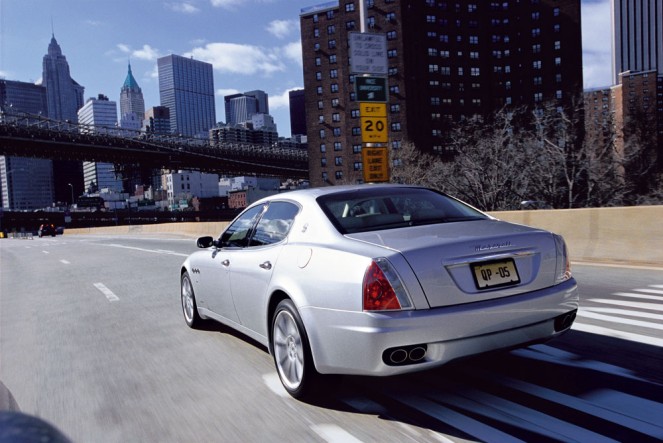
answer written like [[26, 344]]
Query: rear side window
[[389, 208], [275, 224]]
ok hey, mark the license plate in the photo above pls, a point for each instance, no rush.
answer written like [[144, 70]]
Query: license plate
[[495, 274]]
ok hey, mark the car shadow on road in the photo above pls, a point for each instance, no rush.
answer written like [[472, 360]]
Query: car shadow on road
[[582, 387]]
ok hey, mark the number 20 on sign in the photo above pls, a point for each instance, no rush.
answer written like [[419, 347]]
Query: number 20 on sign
[[374, 129]]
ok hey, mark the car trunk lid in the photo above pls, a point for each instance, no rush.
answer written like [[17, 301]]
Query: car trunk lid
[[464, 262]]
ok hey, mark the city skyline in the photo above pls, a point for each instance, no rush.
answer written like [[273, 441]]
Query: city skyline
[[252, 44]]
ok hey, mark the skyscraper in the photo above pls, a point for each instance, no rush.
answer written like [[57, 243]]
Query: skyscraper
[[100, 115], [25, 183], [637, 36], [240, 108], [132, 104], [263, 100], [186, 87], [445, 61], [65, 98], [297, 112]]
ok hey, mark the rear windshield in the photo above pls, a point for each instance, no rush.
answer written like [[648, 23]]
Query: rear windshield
[[389, 208]]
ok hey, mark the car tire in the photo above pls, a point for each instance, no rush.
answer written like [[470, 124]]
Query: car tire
[[189, 305], [292, 352]]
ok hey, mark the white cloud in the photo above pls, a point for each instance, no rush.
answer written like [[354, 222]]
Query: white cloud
[[4, 74], [596, 44], [224, 92], [293, 51], [124, 48], [281, 101], [239, 59], [226, 4], [184, 7], [282, 28], [146, 53]]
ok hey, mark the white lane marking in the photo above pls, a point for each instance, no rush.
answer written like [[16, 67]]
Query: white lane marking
[[334, 434], [523, 417], [645, 410], [273, 382], [459, 421], [640, 296], [588, 405], [45, 252], [107, 292], [65, 262], [592, 329], [656, 286], [626, 312], [650, 291], [153, 251], [621, 320], [650, 306], [550, 354]]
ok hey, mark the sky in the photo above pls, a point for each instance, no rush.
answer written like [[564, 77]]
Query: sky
[[252, 44]]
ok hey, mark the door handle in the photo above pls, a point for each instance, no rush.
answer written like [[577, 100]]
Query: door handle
[[226, 263], [266, 265]]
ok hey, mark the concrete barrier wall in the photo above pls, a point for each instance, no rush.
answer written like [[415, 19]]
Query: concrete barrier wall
[[631, 235]]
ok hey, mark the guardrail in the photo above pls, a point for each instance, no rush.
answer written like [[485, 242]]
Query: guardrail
[[632, 235]]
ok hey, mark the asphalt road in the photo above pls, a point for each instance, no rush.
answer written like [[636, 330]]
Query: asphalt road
[[92, 340]]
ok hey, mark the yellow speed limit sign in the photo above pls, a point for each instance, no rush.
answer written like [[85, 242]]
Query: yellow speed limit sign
[[374, 129]]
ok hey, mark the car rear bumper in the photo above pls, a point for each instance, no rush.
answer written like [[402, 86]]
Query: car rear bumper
[[360, 343]]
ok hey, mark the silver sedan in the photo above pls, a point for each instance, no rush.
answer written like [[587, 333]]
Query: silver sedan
[[377, 280]]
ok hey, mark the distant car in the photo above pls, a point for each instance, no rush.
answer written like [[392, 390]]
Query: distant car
[[46, 229], [377, 280]]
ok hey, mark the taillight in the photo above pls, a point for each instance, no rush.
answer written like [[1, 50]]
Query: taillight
[[563, 260], [383, 289]]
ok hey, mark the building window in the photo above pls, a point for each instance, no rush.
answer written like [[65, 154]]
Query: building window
[[349, 7], [318, 61], [396, 126], [332, 58], [538, 81], [558, 61], [323, 162], [357, 166], [444, 38], [318, 75], [330, 14], [334, 87], [432, 52], [319, 90], [446, 70], [395, 108], [394, 89], [339, 175], [349, 25], [536, 64], [558, 94], [336, 117], [474, 72], [337, 132], [322, 133], [392, 35], [435, 101], [356, 130], [536, 32], [316, 32], [331, 44], [556, 28], [371, 22], [538, 97], [536, 49], [323, 147], [392, 71], [356, 149], [338, 146], [474, 39], [558, 45], [354, 113], [392, 53], [325, 177], [391, 17], [431, 19], [331, 29], [333, 73], [433, 69], [338, 161]]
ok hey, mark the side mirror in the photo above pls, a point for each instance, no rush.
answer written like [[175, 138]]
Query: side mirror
[[205, 242]]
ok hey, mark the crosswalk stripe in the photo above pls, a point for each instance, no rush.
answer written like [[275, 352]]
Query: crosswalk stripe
[[638, 305], [593, 329], [620, 320], [640, 296], [650, 291], [627, 312]]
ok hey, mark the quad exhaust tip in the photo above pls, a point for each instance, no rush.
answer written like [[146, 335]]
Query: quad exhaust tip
[[565, 321]]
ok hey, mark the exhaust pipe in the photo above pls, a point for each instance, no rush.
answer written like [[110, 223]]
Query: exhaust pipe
[[565, 321], [405, 355]]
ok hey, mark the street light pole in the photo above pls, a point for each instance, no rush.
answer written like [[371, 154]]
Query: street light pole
[[72, 193]]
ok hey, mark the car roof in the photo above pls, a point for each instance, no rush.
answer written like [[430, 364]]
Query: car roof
[[302, 195]]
